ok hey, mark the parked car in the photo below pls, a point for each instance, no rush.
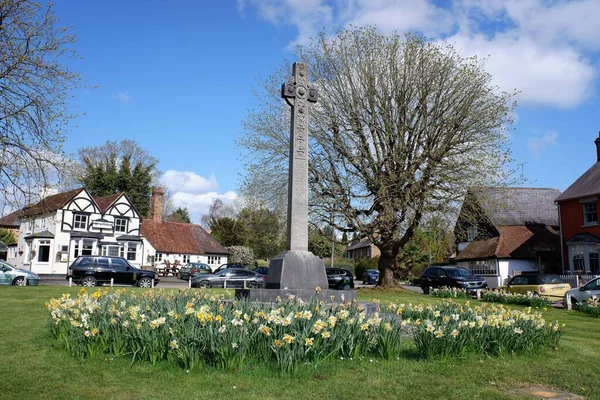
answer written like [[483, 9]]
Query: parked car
[[94, 270], [193, 269], [583, 294], [339, 278], [370, 277], [229, 265], [230, 278], [10, 275], [548, 285], [451, 276], [262, 270]]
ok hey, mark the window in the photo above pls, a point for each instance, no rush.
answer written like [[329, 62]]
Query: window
[[158, 257], [214, 259], [483, 267], [43, 223], [120, 225], [594, 266], [86, 249], [519, 280], [102, 262], [29, 226], [590, 214], [44, 251], [120, 264], [186, 258], [471, 233], [578, 256], [110, 251], [131, 252], [80, 221]]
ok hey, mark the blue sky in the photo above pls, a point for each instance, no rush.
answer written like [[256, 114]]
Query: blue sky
[[177, 76]]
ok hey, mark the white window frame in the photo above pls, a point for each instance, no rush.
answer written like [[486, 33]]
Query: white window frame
[[43, 224], [43, 243], [214, 260], [590, 212], [186, 258], [483, 267], [117, 225], [83, 220], [158, 256]]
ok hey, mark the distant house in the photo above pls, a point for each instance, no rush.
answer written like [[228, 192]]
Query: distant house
[[62, 226], [178, 242], [503, 231], [362, 249], [580, 232], [10, 222]]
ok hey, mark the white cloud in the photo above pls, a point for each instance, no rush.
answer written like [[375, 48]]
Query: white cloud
[[187, 181], [543, 49], [199, 204], [123, 97], [539, 143]]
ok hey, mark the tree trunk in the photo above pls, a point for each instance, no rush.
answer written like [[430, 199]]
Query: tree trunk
[[386, 266]]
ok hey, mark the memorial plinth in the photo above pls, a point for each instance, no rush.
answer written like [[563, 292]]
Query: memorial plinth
[[297, 271]]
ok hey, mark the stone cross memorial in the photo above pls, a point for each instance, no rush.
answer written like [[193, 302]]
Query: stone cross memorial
[[297, 271]]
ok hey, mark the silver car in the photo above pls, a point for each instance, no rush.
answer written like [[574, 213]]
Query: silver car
[[10, 275], [583, 294]]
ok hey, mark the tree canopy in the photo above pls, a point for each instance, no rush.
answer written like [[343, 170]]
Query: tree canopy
[[402, 128], [35, 84], [181, 214], [124, 167]]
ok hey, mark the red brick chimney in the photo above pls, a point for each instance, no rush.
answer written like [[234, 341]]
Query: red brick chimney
[[597, 141], [156, 213]]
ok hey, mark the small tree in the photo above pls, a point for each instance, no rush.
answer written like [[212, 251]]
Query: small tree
[[180, 215], [241, 255], [7, 237]]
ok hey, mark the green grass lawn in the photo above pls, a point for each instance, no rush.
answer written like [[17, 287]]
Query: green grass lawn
[[34, 366]]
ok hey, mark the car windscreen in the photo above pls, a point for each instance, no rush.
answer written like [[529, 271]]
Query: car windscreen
[[543, 279], [458, 272]]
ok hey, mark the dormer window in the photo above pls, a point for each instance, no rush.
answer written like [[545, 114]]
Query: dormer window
[[590, 213], [80, 221], [471, 233]]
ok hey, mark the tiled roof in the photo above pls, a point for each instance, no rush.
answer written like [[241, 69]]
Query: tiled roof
[[41, 235], [106, 201], [50, 203], [180, 238], [518, 206], [10, 219], [514, 242], [359, 244], [584, 238], [586, 185]]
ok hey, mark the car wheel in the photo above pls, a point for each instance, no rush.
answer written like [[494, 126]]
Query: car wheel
[[252, 285], [89, 281], [425, 289], [20, 281], [145, 283], [204, 285]]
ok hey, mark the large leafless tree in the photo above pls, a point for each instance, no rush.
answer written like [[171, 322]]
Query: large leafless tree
[[402, 128], [35, 85]]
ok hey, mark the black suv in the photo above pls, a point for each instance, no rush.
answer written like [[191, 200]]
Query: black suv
[[451, 276], [339, 278], [94, 270]]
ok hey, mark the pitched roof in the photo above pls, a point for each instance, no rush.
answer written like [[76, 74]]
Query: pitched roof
[[106, 201], [181, 238], [45, 234], [10, 219], [359, 245], [50, 203], [586, 185], [518, 206], [514, 242]]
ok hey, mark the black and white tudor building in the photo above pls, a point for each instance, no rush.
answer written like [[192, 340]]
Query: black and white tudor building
[[53, 232]]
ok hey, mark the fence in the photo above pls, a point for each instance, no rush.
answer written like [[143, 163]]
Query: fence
[[577, 280]]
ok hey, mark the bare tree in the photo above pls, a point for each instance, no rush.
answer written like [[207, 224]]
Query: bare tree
[[402, 128], [34, 88]]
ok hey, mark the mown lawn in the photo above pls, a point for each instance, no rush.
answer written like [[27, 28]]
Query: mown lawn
[[33, 366]]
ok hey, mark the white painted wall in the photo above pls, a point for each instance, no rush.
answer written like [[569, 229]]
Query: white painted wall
[[150, 251]]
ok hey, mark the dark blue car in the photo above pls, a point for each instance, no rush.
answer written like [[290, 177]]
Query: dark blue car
[[370, 277]]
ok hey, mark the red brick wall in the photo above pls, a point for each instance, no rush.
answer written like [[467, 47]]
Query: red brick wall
[[571, 221]]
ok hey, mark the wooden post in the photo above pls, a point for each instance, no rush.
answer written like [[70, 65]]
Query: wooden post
[[112, 281], [152, 284], [594, 299], [70, 281], [569, 304], [478, 294], [245, 285], [225, 284], [190, 282], [26, 282]]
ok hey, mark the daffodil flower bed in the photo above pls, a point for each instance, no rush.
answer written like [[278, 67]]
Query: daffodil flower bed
[[453, 329], [529, 299], [590, 307], [450, 292], [191, 328]]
